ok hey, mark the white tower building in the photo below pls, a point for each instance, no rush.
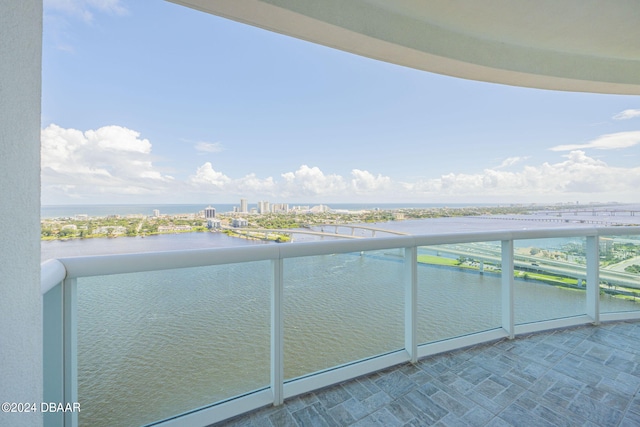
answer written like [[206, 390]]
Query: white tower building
[[209, 212], [263, 207]]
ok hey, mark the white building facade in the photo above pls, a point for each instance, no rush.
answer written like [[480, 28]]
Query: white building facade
[[21, 337], [209, 212], [239, 222], [263, 207]]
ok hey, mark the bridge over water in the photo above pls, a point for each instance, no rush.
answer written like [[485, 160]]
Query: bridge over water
[[287, 231], [322, 233], [358, 227], [557, 219], [593, 212]]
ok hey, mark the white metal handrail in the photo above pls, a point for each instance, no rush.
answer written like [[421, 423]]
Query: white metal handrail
[[98, 265], [59, 287]]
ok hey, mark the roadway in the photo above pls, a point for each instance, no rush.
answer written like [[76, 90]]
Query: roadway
[[622, 265], [565, 268], [360, 227], [287, 231], [485, 253]]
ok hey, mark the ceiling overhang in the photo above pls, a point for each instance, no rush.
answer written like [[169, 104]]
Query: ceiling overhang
[[569, 45]]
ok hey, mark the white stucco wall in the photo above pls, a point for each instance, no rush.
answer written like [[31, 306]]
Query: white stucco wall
[[20, 298]]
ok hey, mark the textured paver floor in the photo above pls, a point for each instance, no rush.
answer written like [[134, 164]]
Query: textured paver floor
[[585, 376]]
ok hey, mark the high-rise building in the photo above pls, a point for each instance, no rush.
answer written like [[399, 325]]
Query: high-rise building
[[263, 207], [243, 206], [156, 213], [280, 208], [209, 212]]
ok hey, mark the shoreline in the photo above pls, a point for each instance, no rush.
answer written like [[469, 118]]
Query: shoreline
[[132, 225], [620, 292]]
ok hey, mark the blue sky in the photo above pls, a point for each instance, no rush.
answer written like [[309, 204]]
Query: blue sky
[[151, 102]]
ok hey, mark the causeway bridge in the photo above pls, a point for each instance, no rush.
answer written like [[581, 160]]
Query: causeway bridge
[[556, 218], [593, 212], [254, 232], [322, 233], [357, 227]]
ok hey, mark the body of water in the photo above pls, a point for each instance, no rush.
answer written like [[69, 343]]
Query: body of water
[[155, 243], [166, 242], [152, 345]]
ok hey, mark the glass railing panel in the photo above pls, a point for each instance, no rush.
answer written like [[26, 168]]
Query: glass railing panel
[[156, 344], [458, 290], [619, 273], [550, 277], [341, 308]]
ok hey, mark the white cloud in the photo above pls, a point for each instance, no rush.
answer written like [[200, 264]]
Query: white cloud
[[207, 177], [84, 9], [311, 182], [627, 114], [305, 183], [579, 174], [117, 139], [108, 160], [510, 161], [251, 184], [605, 142], [115, 163], [209, 147], [113, 6], [209, 181], [366, 182]]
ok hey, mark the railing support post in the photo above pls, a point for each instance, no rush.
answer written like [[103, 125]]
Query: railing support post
[[70, 326], [593, 278], [277, 333], [411, 302], [507, 288], [53, 353]]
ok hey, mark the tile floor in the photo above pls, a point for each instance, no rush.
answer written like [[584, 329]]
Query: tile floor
[[584, 376]]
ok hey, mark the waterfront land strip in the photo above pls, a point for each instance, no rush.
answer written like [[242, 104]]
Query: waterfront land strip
[[84, 226], [623, 257]]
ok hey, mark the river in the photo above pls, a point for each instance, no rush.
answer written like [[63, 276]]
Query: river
[[165, 242], [151, 345]]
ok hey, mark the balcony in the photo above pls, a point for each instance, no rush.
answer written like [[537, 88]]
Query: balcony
[[203, 336], [573, 376]]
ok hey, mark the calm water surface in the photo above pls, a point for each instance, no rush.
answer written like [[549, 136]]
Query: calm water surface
[[155, 344]]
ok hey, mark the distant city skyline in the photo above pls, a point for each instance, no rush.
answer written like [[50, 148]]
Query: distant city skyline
[[150, 102]]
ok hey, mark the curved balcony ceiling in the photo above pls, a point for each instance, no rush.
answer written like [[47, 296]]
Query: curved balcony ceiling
[[573, 45]]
